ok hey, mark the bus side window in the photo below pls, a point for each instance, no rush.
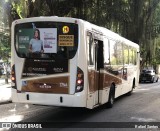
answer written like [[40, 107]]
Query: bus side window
[[100, 56], [126, 54], [134, 56], [131, 56], [106, 52], [113, 52], [90, 46], [119, 53]]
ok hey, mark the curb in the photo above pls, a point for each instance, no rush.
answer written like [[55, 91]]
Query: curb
[[5, 102], [5, 94], [5, 86]]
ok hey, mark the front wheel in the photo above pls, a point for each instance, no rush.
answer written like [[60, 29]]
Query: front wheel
[[152, 81], [111, 97]]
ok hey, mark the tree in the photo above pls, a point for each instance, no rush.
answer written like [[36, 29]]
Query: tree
[[133, 19]]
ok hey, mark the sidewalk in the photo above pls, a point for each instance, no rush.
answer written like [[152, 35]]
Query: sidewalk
[[5, 91]]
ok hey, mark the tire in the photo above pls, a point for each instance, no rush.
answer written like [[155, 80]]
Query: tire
[[111, 97], [157, 80], [152, 81]]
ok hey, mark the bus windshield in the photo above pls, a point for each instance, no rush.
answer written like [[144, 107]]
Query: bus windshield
[[46, 40]]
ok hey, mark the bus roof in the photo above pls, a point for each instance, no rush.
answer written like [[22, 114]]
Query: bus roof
[[105, 31]]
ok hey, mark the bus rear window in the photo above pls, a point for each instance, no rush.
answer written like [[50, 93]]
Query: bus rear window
[[46, 40]]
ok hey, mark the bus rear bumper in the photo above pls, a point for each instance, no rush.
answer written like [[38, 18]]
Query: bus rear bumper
[[66, 100]]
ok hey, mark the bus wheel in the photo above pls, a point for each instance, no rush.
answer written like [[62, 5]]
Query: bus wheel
[[111, 97]]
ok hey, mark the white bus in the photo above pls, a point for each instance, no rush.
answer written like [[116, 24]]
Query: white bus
[[79, 64]]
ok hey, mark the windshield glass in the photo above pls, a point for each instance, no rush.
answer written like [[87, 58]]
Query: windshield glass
[[46, 40], [146, 71]]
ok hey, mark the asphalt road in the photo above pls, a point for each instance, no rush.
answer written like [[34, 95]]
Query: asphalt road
[[142, 106]]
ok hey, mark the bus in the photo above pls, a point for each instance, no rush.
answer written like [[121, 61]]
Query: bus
[[79, 64]]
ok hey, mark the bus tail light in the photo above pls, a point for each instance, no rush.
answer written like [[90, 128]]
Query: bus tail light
[[80, 80], [13, 77]]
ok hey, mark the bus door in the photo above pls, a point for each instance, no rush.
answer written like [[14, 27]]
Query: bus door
[[99, 65], [94, 65]]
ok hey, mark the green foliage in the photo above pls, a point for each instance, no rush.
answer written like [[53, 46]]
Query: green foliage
[[19, 7], [5, 50], [156, 59], [133, 19]]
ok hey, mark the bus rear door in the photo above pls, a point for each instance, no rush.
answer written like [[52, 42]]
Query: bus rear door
[[95, 63]]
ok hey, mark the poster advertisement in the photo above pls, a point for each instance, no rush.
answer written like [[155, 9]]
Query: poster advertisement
[[24, 36], [49, 38], [47, 35]]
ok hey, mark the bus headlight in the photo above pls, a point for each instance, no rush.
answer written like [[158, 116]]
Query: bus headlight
[[80, 80]]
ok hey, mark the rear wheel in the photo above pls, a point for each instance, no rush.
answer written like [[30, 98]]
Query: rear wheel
[[111, 97], [157, 80]]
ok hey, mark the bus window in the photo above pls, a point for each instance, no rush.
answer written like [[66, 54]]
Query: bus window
[[131, 55], [134, 56], [100, 56], [46, 40], [106, 51], [90, 46], [126, 55], [119, 53], [113, 52]]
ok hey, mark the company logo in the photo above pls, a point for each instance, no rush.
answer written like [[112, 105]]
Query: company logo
[[51, 85], [45, 86], [6, 125], [65, 29], [30, 69], [58, 69]]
